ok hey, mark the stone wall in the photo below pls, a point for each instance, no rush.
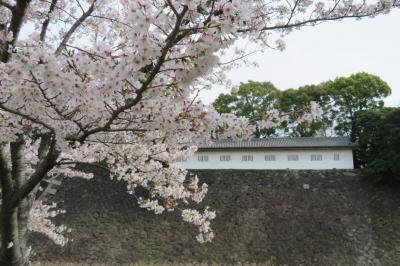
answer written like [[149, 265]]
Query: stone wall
[[287, 217]]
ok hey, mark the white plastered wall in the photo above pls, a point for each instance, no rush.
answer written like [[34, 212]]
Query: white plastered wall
[[345, 159]]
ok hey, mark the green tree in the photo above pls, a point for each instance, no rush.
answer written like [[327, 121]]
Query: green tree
[[360, 91], [377, 133], [339, 100], [252, 100], [294, 102]]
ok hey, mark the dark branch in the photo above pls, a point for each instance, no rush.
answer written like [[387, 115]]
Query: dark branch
[[172, 39], [47, 21], [316, 20], [6, 5], [18, 14], [28, 117], [45, 164], [73, 28]]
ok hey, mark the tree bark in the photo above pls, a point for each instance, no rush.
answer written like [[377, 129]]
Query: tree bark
[[17, 194], [20, 177], [11, 253]]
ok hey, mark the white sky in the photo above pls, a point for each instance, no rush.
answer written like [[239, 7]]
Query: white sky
[[323, 52]]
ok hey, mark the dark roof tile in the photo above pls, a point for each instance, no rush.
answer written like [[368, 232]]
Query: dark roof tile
[[295, 142]]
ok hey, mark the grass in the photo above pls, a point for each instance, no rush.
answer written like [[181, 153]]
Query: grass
[[143, 264]]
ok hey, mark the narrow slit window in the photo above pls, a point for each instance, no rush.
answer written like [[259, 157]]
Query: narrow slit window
[[270, 157], [316, 157], [247, 158], [336, 157], [225, 158], [202, 158]]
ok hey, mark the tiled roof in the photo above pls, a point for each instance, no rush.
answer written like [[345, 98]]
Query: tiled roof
[[296, 142]]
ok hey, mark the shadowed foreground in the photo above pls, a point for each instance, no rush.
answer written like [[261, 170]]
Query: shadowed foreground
[[280, 217]]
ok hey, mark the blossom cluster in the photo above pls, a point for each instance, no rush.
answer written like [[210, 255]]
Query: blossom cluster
[[274, 118], [202, 221]]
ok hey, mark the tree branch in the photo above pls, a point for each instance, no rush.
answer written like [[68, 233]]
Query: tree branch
[[172, 7], [45, 24], [316, 20], [170, 41], [74, 27], [45, 164], [28, 117], [6, 5], [53, 106], [18, 14], [83, 163]]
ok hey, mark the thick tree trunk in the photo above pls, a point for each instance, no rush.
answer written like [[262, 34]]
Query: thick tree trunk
[[23, 232], [18, 174], [17, 195], [14, 219], [11, 252]]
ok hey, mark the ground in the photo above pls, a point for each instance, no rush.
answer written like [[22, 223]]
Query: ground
[[331, 217]]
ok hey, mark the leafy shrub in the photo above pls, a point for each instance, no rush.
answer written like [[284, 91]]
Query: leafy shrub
[[377, 133]]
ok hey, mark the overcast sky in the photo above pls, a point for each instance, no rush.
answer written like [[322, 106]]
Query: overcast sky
[[323, 52]]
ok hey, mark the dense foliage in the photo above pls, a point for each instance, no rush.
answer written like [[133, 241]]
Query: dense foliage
[[358, 92], [338, 99], [377, 133], [252, 100]]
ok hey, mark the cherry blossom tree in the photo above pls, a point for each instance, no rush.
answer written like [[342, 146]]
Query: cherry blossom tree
[[113, 81]]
